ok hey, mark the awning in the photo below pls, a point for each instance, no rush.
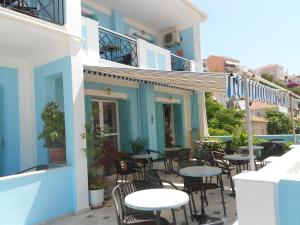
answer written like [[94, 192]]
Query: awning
[[193, 81], [260, 92]]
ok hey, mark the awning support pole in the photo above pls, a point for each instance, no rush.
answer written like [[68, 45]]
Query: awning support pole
[[248, 120], [293, 120]]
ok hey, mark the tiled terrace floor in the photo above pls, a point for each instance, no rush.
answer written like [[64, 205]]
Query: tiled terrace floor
[[106, 215]]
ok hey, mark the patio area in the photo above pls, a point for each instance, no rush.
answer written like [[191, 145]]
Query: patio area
[[107, 215]]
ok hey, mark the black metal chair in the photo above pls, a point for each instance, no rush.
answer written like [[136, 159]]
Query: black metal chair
[[161, 157], [192, 184], [125, 168], [126, 215], [35, 168], [155, 181]]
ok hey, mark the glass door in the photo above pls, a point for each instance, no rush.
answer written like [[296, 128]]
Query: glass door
[[105, 117], [169, 125]]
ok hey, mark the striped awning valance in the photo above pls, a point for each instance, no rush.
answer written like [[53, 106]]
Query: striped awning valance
[[194, 81], [259, 92]]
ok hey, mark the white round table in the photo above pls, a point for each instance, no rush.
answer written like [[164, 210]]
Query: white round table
[[255, 147], [279, 142], [200, 172], [237, 157], [144, 156], [157, 200]]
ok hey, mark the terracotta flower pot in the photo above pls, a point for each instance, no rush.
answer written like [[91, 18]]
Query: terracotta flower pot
[[57, 155]]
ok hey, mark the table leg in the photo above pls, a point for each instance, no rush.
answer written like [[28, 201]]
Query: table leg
[[157, 215], [185, 216], [173, 215]]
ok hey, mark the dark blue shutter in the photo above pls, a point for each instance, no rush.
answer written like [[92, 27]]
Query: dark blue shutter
[[178, 122], [160, 131]]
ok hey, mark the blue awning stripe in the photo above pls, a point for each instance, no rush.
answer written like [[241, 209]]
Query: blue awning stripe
[[258, 92]]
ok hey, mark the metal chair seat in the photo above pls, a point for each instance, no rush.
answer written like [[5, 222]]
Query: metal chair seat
[[143, 219]]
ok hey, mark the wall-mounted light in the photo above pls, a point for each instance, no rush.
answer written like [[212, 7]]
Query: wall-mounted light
[[108, 91]]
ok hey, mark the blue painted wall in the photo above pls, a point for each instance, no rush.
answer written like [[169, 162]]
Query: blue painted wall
[[11, 126], [151, 59], [288, 202], [132, 94], [148, 114], [161, 60], [46, 76], [115, 22], [118, 24], [187, 44], [30, 199], [103, 18]]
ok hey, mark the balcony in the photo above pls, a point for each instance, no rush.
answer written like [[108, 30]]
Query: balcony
[[51, 10], [180, 64], [117, 48], [110, 48]]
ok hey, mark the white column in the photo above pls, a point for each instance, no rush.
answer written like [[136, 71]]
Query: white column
[[73, 24], [202, 115], [28, 154], [248, 120]]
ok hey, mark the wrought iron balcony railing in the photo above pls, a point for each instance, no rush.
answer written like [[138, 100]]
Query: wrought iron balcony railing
[[179, 63], [117, 48], [49, 10]]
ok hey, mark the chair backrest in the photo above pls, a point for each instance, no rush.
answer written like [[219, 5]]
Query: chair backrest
[[154, 179], [184, 154], [187, 163], [119, 193]]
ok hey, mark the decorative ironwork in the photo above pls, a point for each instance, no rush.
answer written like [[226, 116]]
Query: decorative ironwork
[[49, 10], [117, 48], [180, 64]]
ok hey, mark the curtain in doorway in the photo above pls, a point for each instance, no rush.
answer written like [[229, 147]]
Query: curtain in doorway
[[178, 123], [125, 125], [160, 132], [88, 108], [1, 132]]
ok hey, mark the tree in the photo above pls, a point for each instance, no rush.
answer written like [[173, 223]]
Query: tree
[[221, 119], [278, 123]]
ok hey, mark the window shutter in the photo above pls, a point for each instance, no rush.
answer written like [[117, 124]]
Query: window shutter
[[125, 125], [160, 127], [178, 122], [88, 108]]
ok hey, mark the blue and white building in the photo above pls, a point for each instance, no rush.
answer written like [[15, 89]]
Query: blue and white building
[[92, 54]]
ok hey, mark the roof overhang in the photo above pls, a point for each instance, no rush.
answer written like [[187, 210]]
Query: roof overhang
[[190, 81], [157, 14]]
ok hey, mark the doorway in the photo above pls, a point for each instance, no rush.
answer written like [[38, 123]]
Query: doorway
[[105, 118], [169, 128]]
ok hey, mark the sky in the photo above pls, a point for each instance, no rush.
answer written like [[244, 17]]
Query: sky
[[257, 32]]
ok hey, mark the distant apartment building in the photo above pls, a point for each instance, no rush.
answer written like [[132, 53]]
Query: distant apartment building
[[292, 81], [277, 71], [222, 64]]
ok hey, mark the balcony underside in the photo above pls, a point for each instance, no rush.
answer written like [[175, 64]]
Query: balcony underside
[[31, 39], [181, 13]]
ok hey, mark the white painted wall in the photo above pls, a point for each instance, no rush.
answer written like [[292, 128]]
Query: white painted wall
[[143, 46], [257, 192], [91, 54], [73, 19]]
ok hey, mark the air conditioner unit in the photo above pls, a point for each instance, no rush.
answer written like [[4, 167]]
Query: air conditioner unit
[[172, 38]]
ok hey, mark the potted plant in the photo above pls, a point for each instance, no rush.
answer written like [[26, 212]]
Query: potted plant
[[138, 145], [97, 185], [94, 150], [53, 132]]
